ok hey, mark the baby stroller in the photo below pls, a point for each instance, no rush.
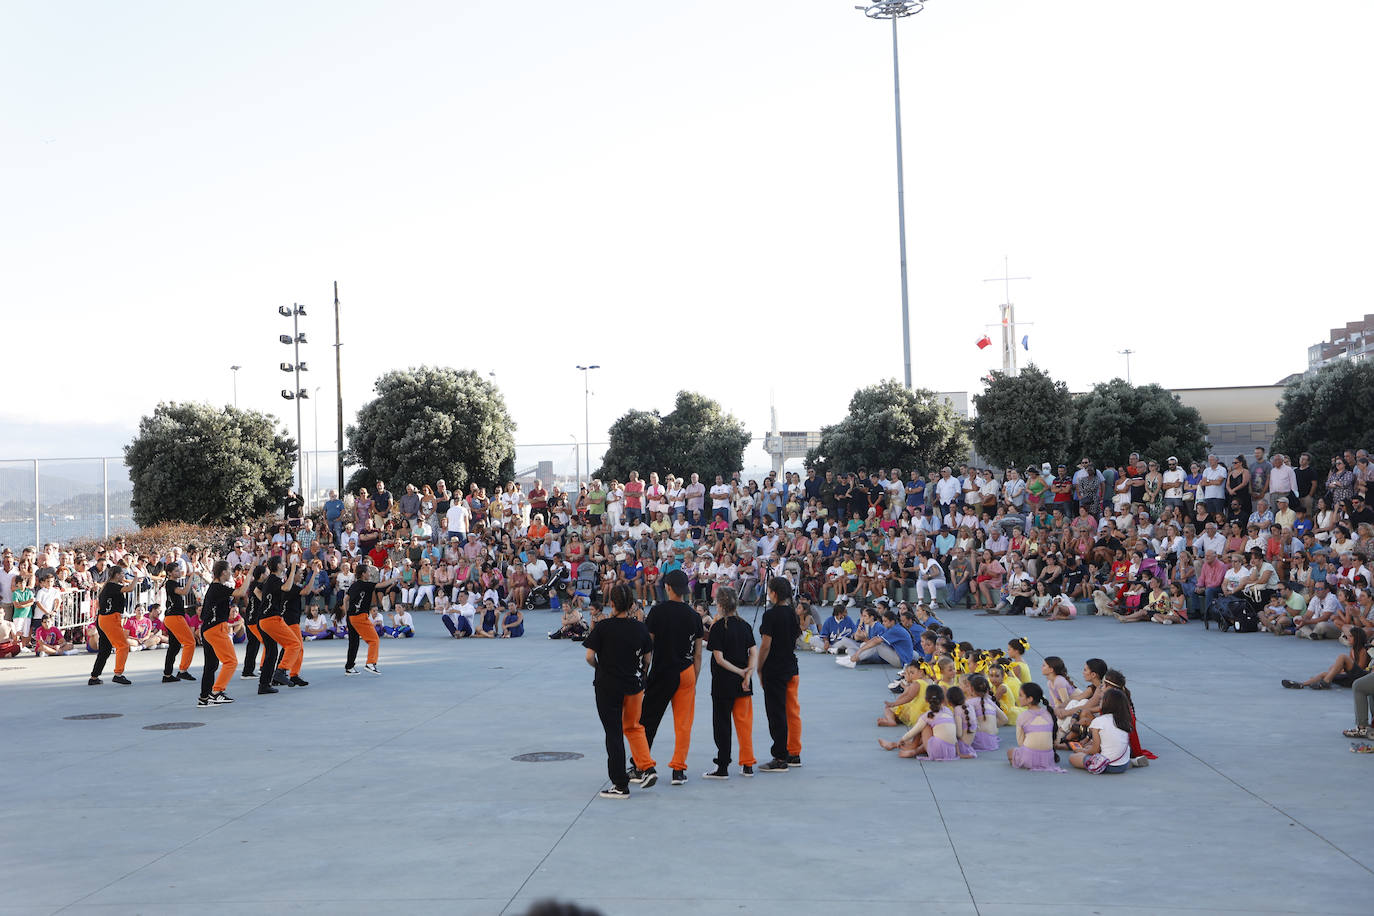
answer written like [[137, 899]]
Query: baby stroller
[[539, 596], [587, 581]]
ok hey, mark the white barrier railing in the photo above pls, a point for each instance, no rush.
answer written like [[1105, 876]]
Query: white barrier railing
[[74, 610]]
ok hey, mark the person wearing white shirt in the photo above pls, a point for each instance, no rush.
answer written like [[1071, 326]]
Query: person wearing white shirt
[[1210, 539], [1014, 490], [1173, 483], [720, 498], [402, 626], [930, 577], [1283, 480], [947, 489], [457, 519], [1214, 485]]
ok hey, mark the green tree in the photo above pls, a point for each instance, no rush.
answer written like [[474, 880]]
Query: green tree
[[207, 465], [432, 423], [1023, 419], [1115, 419], [1327, 411], [889, 426], [698, 436]]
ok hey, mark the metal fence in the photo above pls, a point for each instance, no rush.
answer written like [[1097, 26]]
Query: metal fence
[[61, 499]]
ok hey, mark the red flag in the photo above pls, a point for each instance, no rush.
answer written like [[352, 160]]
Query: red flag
[[984, 342]]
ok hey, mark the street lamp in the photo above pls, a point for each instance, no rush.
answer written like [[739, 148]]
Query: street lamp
[[894, 10], [235, 370], [577, 459], [586, 417], [295, 312]]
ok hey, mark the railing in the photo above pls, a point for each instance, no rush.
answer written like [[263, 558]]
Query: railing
[[74, 611]]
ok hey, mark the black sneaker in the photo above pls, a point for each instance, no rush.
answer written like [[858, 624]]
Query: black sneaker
[[774, 766], [718, 773], [350, 671], [93, 681], [267, 690], [185, 676], [614, 792], [371, 669], [648, 778], [219, 699], [679, 777], [170, 679], [634, 774], [794, 760], [248, 676], [279, 679], [297, 681], [203, 701], [748, 771], [121, 679]]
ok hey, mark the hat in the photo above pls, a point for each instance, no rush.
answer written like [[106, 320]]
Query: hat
[[1172, 458], [1282, 499]]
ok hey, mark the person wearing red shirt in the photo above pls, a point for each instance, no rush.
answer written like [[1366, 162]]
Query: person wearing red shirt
[[634, 498], [539, 499]]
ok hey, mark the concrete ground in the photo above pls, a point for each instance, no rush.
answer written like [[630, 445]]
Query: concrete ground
[[398, 793]]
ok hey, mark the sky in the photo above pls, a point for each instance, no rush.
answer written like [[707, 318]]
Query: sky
[[695, 195]]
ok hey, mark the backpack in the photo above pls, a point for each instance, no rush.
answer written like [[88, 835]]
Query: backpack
[[1223, 610], [1245, 619]]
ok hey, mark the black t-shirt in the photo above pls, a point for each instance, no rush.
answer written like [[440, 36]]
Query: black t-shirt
[[271, 603], [215, 607], [291, 608], [359, 597], [675, 629], [176, 604], [733, 638], [1305, 477], [111, 599], [620, 644], [781, 626]]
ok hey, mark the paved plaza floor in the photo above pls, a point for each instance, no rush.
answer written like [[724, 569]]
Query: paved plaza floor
[[398, 793]]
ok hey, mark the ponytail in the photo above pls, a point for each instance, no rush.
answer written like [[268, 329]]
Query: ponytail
[[956, 698], [1036, 694]]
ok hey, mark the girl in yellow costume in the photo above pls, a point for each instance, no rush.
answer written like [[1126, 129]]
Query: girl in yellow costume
[[1019, 669], [911, 704], [1005, 690]]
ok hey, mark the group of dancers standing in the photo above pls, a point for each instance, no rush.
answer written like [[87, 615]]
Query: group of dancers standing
[[643, 667], [271, 599]]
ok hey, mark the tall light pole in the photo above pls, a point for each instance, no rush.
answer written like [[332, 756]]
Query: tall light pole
[[577, 460], [235, 370], [894, 10], [1127, 353], [295, 312], [586, 417], [315, 471]]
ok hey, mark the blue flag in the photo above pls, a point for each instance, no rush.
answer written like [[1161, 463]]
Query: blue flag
[[1025, 342]]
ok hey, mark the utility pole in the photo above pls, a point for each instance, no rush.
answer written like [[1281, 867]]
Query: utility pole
[[1127, 353], [1008, 323]]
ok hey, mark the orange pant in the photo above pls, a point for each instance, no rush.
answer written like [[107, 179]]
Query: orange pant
[[292, 649], [793, 719], [684, 710], [368, 632], [743, 714], [112, 625], [218, 638], [176, 625], [634, 732]]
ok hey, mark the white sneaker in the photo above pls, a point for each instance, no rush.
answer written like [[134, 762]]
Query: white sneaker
[[818, 648], [834, 650], [846, 662]]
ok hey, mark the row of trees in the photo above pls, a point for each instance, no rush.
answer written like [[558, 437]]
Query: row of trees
[[211, 465], [1031, 418]]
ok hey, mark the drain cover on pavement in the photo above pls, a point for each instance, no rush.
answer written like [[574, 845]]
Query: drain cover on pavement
[[546, 756], [97, 715], [171, 726]]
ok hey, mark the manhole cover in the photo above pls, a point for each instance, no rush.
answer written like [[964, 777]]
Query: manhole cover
[[96, 715], [546, 756], [171, 726]]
